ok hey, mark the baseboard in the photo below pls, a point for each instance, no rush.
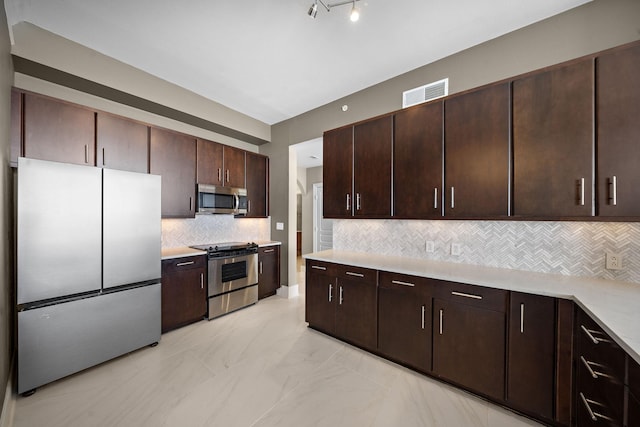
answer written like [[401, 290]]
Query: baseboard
[[9, 404], [285, 292]]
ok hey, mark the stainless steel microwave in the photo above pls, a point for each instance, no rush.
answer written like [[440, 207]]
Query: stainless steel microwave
[[221, 200]]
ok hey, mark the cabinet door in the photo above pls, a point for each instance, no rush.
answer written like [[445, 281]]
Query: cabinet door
[[477, 153], [173, 156], [268, 271], [234, 167], [209, 158], [469, 346], [553, 142], [57, 131], [633, 417], [184, 294], [531, 361], [122, 144], [356, 310], [337, 173], [618, 109], [320, 290], [372, 152], [417, 162], [404, 319], [257, 185]]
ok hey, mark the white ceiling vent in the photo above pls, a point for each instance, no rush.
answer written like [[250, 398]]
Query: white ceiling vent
[[425, 93]]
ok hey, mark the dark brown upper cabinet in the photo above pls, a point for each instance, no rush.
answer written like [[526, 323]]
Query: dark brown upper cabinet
[[618, 137], [417, 162], [234, 167], [477, 153], [209, 170], [553, 142], [57, 131], [122, 144], [372, 153], [337, 173], [257, 185], [173, 156]]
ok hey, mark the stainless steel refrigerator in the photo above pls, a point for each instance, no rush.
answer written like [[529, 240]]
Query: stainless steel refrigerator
[[88, 267]]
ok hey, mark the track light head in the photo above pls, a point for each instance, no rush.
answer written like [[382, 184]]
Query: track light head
[[313, 10], [355, 13]]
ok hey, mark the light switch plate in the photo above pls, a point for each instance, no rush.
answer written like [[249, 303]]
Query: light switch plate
[[430, 246], [456, 249], [279, 225]]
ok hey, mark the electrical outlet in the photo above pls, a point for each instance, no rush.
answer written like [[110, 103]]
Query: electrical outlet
[[456, 249], [613, 261], [430, 246]]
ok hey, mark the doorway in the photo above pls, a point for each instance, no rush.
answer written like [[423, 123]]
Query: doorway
[[322, 227]]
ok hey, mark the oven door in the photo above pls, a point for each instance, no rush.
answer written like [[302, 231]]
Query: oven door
[[231, 273]]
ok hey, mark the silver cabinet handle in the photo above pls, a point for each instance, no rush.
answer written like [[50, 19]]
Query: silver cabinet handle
[[588, 332], [358, 198], [248, 206], [348, 201], [260, 267], [453, 197], [592, 415], [103, 161], [180, 264], [268, 251], [227, 175], [398, 282], [588, 366], [219, 174], [581, 184], [330, 291], [86, 153], [435, 198], [424, 309], [201, 280], [341, 299], [462, 294], [317, 267], [441, 316], [190, 203], [613, 183], [522, 318], [349, 273]]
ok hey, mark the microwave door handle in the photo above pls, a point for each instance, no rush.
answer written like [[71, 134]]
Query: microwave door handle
[[237, 201]]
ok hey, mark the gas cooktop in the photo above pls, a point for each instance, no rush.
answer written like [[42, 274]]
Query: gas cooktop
[[227, 247]]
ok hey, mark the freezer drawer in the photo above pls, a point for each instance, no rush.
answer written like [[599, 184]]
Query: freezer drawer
[[59, 340]]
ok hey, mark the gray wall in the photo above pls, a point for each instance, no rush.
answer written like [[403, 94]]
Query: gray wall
[[6, 197], [590, 28]]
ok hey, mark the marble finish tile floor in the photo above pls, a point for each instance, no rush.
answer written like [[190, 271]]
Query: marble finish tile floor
[[260, 366]]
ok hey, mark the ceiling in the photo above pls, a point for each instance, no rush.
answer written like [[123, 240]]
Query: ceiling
[[269, 59]]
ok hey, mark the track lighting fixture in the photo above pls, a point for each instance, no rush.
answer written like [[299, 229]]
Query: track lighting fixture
[[354, 15]]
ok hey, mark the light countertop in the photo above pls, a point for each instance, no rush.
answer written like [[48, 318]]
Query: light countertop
[[613, 305]]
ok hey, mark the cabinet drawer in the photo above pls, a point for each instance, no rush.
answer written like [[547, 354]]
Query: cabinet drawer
[[477, 296], [591, 411], [396, 281], [269, 250], [599, 349], [321, 267], [357, 273], [184, 263]]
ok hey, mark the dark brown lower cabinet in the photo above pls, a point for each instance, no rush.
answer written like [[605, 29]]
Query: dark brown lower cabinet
[[600, 374], [469, 346], [268, 271], [633, 414], [320, 290], [343, 301], [404, 319], [531, 353], [184, 291]]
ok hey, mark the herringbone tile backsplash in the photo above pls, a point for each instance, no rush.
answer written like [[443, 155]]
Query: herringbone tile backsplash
[[205, 229], [569, 248]]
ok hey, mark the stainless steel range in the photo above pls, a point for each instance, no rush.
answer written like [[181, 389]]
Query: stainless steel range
[[232, 276]]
